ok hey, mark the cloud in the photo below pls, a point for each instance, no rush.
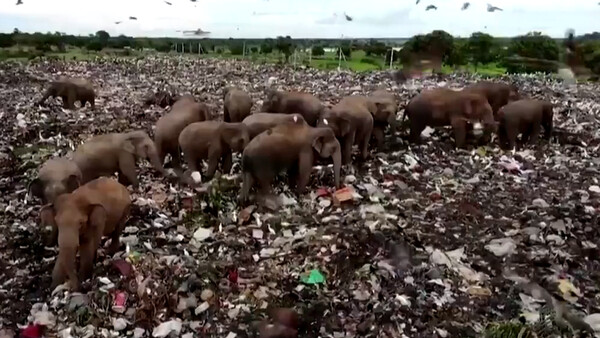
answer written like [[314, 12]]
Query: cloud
[[299, 18]]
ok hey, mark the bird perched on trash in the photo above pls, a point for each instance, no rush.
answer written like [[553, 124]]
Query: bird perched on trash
[[430, 7], [491, 8], [465, 5], [348, 18]]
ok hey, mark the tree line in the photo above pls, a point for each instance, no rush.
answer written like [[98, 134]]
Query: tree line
[[480, 48]]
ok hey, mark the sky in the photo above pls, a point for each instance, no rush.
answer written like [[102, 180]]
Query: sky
[[299, 18]]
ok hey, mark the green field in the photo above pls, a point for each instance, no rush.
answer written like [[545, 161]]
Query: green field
[[358, 62]]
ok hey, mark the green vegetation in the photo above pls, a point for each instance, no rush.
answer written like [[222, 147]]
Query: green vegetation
[[480, 52]]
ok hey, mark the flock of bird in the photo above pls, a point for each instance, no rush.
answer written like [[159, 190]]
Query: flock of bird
[[490, 8]]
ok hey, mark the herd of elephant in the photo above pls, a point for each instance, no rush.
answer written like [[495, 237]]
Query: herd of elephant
[[82, 204]]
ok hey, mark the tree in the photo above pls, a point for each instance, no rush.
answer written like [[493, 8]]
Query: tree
[[318, 51], [375, 47], [285, 45], [254, 50], [541, 49], [480, 48], [102, 37]]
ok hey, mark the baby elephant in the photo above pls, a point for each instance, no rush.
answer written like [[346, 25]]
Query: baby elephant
[[525, 117], [71, 90], [237, 105], [352, 123], [259, 122], [212, 140], [184, 112], [287, 147], [57, 176], [104, 155], [98, 208]]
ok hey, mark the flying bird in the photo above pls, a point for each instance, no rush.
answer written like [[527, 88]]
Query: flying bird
[[418, 2], [348, 18], [465, 5], [430, 7], [118, 22], [19, 2], [132, 18], [491, 8], [168, 3]]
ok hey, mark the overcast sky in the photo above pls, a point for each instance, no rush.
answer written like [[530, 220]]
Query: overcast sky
[[299, 18]]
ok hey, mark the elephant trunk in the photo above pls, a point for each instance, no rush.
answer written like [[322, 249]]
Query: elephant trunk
[[337, 164], [156, 163]]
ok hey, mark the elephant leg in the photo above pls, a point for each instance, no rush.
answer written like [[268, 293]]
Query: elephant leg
[[379, 136], [226, 116], [127, 168], [535, 133], [365, 138], [511, 136], [227, 162], [305, 163], [460, 130], [191, 160], [214, 154], [175, 159], [53, 237], [115, 242], [415, 132], [248, 182], [87, 253], [347, 143]]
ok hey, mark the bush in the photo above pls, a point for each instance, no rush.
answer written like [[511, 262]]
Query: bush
[[254, 50], [538, 50], [371, 61], [318, 51], [94, 45], [266, 48], [237, 49]]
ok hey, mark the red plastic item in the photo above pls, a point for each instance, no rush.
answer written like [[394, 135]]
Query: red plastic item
[[233, 276], [32, 331], [322, 192], [119, 302], [123, 267]]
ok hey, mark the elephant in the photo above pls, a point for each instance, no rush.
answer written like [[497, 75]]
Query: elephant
[[498, 94], [352, 123], [103, 155], [442, 106], [56, 176], [525, 117], [212, 140], [259, 122], [184, 112], [287, 147], [237, 105], [161, 98], [71, 90], [99, 207], [387, 106], [304, 104]]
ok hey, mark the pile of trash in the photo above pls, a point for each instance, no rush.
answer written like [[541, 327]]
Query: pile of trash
[[423, 240]]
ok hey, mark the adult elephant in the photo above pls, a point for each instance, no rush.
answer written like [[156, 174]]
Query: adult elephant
[[304, 104], [497, 94], [442, 107]]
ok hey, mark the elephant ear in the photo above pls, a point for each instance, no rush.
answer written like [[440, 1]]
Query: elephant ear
[[36, 188], [128, 147], [97, 216], [73, 182], [344, 125], [47, 215], [318, 143]]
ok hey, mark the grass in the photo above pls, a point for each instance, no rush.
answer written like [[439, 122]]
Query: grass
[[357, 62]]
